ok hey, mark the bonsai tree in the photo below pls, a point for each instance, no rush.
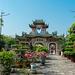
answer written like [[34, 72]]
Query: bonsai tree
[[20, 51], [70, 41]]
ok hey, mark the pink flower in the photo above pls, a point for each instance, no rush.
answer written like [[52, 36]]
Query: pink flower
[[26, 55], [45, 54], [35, 55]]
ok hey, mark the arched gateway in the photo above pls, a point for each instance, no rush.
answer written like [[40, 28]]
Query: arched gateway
[[40, 36], [54, 46]]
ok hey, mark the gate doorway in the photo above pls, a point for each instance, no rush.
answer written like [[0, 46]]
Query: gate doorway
[[52, 48]]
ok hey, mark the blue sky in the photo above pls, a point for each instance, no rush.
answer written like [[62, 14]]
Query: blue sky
[[22, 12]]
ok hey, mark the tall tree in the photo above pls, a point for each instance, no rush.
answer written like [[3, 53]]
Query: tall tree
[[70, 38]]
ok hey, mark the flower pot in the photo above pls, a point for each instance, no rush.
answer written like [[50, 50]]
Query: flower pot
[[43, 61], [21, 64], [68, 56], [33, 66], [72, 59], [64, 55]]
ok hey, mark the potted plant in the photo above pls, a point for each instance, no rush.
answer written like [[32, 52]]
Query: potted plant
[[42, 55], [7, 60], [21, 60], [68, 54], [32, 56], [72, 56]]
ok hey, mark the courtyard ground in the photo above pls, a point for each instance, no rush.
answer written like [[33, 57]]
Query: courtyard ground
[[55, 65]]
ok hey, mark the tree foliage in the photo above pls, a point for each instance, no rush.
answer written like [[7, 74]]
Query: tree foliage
[[42, 48], [8, 40], [2, 43], [72, 28], [70, 41]]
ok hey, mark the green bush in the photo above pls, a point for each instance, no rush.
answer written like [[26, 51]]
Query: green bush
[[71, 37], [15, 46], [69, 43], [67, 52], [7, 59], [68, 49], [72, 28], [25, 47], [72, 53], [69, 46], [42, 48], [35, 47]]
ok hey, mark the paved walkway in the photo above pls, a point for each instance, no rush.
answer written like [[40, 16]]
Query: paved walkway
[[56, 65]]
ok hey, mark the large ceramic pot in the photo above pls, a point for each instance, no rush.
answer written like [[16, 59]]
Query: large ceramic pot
[[72, 59], [43, 61]]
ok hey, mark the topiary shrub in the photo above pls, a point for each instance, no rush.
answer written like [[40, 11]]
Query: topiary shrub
[[67, 52], [72, 53]]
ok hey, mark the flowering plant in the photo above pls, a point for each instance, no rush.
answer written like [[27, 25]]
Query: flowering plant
[[31, 55], [7, 59], [42, 54]]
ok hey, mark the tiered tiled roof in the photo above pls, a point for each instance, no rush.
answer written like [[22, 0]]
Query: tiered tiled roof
[[38, 22]]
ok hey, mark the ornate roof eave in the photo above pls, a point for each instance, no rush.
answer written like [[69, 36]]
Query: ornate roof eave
[[23, 38], [31, 36], [45, 26], [32, 25]]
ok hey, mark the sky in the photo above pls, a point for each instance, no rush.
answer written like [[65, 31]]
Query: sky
[[23, 12]]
